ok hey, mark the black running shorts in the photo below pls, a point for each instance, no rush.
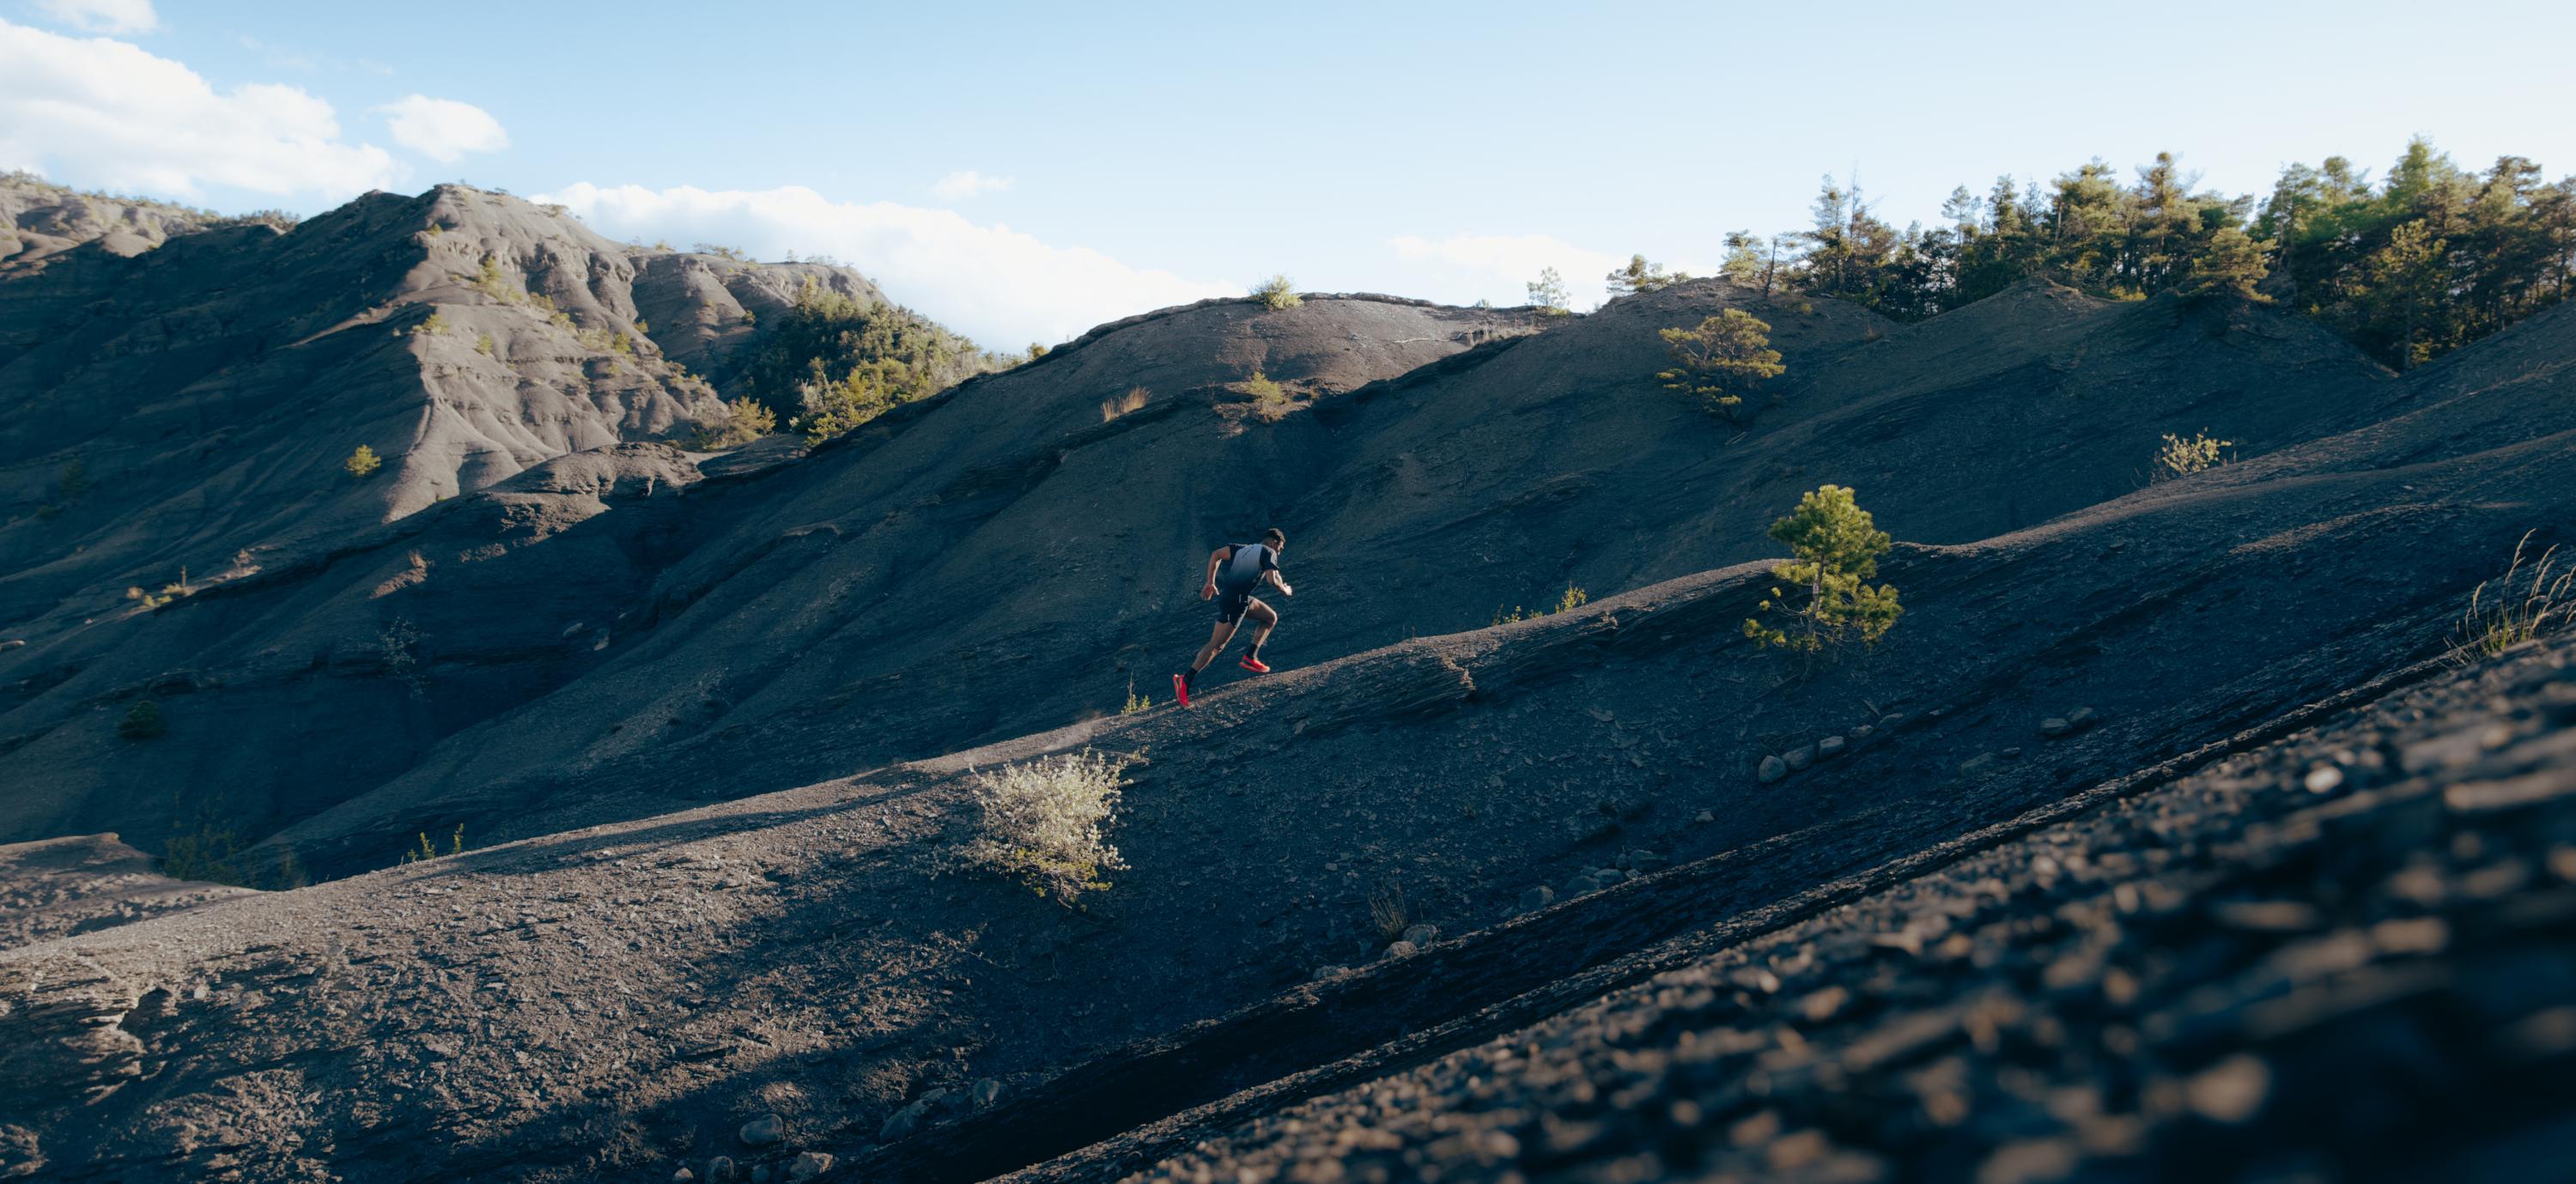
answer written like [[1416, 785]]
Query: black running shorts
[[1230, 606]]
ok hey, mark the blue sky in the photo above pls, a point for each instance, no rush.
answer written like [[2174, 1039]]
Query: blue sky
[[1147, 154]]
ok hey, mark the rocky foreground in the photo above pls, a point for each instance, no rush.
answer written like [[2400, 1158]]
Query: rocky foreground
[[2347, 955]]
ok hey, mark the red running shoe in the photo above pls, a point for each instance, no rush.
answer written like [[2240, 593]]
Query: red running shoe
[[1181, 689], [1253, 664]]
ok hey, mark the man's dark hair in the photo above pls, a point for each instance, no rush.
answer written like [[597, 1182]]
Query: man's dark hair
[[1274, 537]]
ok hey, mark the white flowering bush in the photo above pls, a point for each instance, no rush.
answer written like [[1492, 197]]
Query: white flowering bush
[[1042, 823]]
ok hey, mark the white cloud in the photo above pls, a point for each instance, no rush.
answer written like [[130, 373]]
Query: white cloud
[[959, 186], [1489, 263], [994, 284], [103, 16], [107, 113], [443, 130]]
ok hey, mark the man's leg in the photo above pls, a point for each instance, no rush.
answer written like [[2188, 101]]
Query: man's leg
[[1264, 618], [1216, 645]]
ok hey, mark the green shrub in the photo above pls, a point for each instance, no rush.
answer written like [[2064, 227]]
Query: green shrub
[[833, 362], [362, 463], [1721, 360], [427, 851], [206, 846], [1269, 399], [72, 483], [1276, 293], [1837, 545], [483, 344], [435, 325], [1041, 823], [733, 424], [142, 721], [1136, 704]]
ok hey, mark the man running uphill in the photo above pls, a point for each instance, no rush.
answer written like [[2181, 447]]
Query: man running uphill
[[1232, 573]]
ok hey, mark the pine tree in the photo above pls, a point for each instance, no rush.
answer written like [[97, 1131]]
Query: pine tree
[[1835, 545], [1720, 360], [1547, 292], [1744, 262], [1641, 276]]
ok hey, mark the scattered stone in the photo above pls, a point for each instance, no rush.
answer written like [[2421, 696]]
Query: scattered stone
[[1861, 732], [1578, 886], [1889, 723], [2323, 779], [2012, 754], [2081, 718], [1328, 973], [903, 1122], [1829, 747], [682, 1175], [986, 1092], [1422, 935], [2055, 726], [1542, 896], [763, 1131], [1977, 764], [1704, 817], [1800, 757], [809, 1164], [720, 1170], [760, 1174], [2231, 1091], [1401, 949], [1772, 769]]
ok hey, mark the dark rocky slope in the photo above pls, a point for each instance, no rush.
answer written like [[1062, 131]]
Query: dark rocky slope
[[1007, 561], [613, 998], [2349, 954]]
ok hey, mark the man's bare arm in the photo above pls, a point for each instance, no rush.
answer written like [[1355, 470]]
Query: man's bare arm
[[1278, 581], [1207, 586]]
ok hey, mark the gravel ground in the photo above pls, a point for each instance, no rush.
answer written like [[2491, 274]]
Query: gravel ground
[[2349, 955]]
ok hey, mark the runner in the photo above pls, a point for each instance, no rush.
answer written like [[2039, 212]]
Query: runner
[[1232, 574]]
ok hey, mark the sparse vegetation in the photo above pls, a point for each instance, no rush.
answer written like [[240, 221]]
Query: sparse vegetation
[[142, 721], [1389, 914], [483, 344], [1269, 399], [169, 592], [1641, 276], [72, 483], [434, 325], [1136, 704], [721, 252], [2515, 607], [398, 645], [1277, 293], [363, 463], [1117, 405], [427, 851], [1548, 293], [733, 424], [1042, 823], [1571, 599], [1721, 361], [2181, 458], [206, 846], [837, 361], [1836, 546]]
